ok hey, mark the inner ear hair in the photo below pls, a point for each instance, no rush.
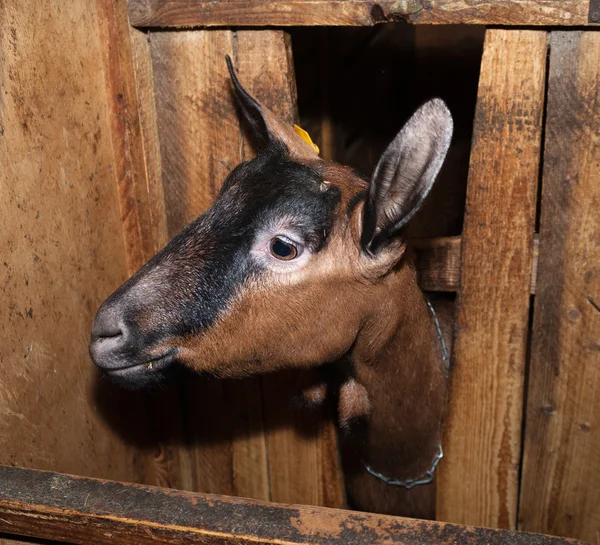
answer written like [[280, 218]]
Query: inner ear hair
[[405, 174]]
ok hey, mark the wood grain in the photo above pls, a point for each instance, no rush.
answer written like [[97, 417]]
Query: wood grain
[[437, 261], [190, 13], [144, 79], [201, 142], [478, 478], [303, 460], [140, 224], [62, 245], [561, 465], [86, 511]]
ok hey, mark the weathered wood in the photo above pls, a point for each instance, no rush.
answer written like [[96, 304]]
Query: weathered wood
[[303, 459], [190, 13], [478, 479], [201, 142], [438, 263], [139, 222], [88, 511], [62, 244], [144, 78], [561, 465]]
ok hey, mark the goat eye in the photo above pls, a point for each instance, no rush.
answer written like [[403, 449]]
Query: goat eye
[[283, 249]]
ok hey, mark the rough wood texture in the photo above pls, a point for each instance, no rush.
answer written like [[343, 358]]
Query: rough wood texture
[[561, 466], [87, 511], [142, 222], [303, 459], [201, 142], [188, 13], [478, 478], [144, 78], [438, 263], [62, 244]]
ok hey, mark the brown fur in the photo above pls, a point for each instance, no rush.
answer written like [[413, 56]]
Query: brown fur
[[354, 304], [341, 306]]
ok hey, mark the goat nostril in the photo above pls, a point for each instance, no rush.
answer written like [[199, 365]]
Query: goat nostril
[[107, 325], [107, 335]]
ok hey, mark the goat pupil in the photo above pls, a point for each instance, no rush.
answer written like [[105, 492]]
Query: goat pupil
[[282, 249]]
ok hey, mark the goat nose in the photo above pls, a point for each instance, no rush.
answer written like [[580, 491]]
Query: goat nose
[[108, 338]]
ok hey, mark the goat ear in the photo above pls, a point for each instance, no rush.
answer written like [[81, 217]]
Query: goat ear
[[267, 128], [405, 174]]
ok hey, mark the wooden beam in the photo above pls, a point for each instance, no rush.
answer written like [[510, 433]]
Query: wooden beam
[[202, 13], [303, 460], [62, 245], [256, 448], [94, 512], [478, 479], [200, 143], [141, 227], [561, 466], [438, 263]]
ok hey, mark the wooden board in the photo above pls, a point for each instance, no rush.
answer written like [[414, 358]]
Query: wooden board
[[438, 263], [62, 246], [146, 107], [91, 512], [201, 142], [478, 478], [561, 465], [190, 13], [140, 196], [303, 459]]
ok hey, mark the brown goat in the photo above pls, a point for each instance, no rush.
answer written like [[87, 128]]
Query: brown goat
[[301, 263]]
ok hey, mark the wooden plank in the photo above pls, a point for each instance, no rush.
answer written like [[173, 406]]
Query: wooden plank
[[62, 246], [561, 465], [201, 143], [478, 478], [190, 13], [172, 460], [144, 78], [438, 263], [303, 461], [140, 224], [87, 511]]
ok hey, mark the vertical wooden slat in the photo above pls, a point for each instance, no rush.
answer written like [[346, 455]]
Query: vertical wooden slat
[[561, 466], [201, 141], [61, 240], [126, 133], [479, 476], [144, 78], [303, 462]]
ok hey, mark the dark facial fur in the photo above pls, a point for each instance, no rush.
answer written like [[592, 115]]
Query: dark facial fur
[[184, 288]]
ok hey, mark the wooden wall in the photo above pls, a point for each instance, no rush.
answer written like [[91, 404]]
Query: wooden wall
[[111, 139], [62, 244], [520, 439]]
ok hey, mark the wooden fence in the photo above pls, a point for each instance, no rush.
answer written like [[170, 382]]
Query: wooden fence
[[114, 137]]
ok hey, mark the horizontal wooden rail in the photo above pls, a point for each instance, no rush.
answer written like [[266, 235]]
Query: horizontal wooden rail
[[438, 263], [202, 13], [83, 511]]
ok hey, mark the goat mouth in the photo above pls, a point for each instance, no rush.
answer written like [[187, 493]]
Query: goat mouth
[[153, 365]]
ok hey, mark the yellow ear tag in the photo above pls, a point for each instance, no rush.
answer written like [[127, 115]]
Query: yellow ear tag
[[305, 136]]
